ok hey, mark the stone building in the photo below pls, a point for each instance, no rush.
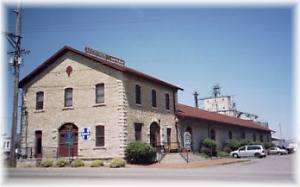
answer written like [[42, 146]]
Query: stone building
[[78, 104], [90, 105]]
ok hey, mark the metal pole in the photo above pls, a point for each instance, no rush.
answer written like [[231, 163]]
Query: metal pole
[[16, 88], [196, 99]]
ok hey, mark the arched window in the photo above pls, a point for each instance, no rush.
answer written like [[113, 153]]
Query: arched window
[[99, 93], [167, 99], [138, 94], [153, 93], [100, 136], [261, 138], [39, 101], [243, 135], [230, 135], [212, 134], [254, 137], [68, 97]]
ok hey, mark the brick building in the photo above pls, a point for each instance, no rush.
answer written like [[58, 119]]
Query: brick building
[[97, 105]]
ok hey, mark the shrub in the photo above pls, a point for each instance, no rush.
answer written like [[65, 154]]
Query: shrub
[[117, 163], [47, 163], [208, 151], [222, 154], [97, 163], [209, 143], [140, 153], [77, 163], [267, 145], [61, 163], [245, 142], [227, 149], [233, 144]]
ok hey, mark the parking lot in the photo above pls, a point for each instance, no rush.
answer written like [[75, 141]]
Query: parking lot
[[272, 168]]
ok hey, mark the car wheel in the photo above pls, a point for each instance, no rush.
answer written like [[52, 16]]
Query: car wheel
[[257, 155], [235, 155]]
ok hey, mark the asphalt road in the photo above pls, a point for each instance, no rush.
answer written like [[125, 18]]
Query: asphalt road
[[271, 169]]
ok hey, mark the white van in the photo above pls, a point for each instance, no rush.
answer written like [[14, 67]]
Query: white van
[[249, 150]]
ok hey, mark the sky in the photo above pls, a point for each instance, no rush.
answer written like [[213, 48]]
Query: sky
[[246, 50]]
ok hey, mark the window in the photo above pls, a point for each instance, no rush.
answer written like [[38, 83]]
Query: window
[[230, 135], [138, 131], [153, 93], [254, 137], [168, 136], [261, 138], [243, 135], [68, 97], [138, 94], [212, 134], [268, 138], [99, 93], [100, 136], [253, 147], [39, 101], [167, 98], [242, 148]]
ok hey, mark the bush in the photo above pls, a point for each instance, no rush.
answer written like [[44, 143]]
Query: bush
[[268, 145], [97, 163], [209, 143], [233, 144], [77, 163], [61, 163], [140, 153], [245, 142], [208, 151], [227, 149], [222, 154], [47, 163], [117, 163]]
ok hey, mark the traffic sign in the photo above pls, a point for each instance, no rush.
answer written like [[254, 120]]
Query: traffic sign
[[85, 133], [187, 140]]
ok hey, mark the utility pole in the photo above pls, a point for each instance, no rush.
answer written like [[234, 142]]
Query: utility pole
[[196, 99], [15, 41]]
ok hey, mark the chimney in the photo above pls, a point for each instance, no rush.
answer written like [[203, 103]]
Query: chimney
[[196, 99]]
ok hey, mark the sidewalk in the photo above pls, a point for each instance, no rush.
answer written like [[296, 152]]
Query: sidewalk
[[204, 163]]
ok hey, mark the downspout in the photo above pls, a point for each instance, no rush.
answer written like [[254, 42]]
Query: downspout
[[176, 119]]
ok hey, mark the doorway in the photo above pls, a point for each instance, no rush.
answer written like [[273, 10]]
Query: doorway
[[68, 140], [154, 135]]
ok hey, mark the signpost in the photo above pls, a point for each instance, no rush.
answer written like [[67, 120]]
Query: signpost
[[187, 140]]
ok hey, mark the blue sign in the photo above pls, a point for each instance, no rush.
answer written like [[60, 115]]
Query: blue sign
[[85, 133]]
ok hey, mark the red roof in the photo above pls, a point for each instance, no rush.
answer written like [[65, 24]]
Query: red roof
[[121, 68], [193, 112]]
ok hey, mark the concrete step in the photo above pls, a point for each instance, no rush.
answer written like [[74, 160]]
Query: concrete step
[[172, 158], [178, 158]]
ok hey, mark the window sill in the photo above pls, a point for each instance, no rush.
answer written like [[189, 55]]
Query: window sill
[[68, 108], [39, 111], [99, 148], [99, 104]]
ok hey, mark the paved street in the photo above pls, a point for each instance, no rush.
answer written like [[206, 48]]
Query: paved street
[[271, 169]]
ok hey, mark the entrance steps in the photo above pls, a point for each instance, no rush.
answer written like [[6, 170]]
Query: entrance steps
[[177, 158]]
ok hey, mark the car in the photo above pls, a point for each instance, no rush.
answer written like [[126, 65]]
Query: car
[[277, 151], [248, 151]]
